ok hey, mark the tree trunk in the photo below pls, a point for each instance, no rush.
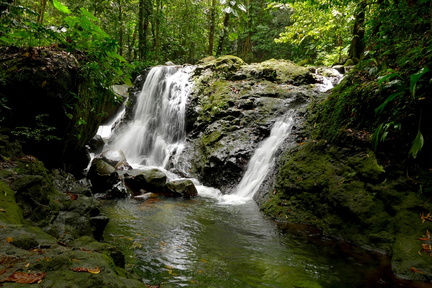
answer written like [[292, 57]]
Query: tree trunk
[[357, 43], [224, 34], [143, 24], [212, 27], [120, 30], [41, 11]]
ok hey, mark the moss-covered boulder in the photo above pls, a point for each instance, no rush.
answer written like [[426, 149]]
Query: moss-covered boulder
[[102, 175], [183, 187], [46, 104], [346, 193], [232, 108], [141, 181]]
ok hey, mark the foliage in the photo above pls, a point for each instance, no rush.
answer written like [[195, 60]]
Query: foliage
[[40, 132], [318, 32], [402, 89]]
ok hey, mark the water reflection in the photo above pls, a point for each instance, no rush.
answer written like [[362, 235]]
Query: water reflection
[[200, 243]]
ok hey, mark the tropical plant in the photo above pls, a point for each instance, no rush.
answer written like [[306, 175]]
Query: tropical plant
[[402, 87]]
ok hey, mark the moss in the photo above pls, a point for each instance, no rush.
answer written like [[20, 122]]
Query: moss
[[208, 140], [12, 214], [286, 71]]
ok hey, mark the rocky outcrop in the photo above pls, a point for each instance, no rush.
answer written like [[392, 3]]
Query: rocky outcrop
[[49, 224], [45, 104], [231, 110]]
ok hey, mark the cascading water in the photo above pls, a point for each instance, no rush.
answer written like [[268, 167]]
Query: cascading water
[[157, 128], [263, 159]]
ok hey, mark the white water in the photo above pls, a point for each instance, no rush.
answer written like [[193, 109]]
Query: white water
[[260, 163], [158, 126]]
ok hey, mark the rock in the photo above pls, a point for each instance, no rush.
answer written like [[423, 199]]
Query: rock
[[123, 165], [96, 144], [118, 191], [152, 180], [339, 68], [113, 157], [102, 175], [25, 241], [99, 223], [183, 187]]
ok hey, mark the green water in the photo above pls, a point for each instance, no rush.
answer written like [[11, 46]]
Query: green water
[[201, 243]]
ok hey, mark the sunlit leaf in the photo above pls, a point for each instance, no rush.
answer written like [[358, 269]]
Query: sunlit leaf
[[94, 271], [62, 8]]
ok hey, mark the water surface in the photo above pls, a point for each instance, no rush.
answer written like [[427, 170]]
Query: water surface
[[202, 243]]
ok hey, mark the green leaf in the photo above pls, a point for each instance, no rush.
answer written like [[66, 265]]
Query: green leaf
[[415, 78], [417, 144], [376, 136], [232, 36], [62, 8], [389, 76], [88, 14], [380, 108]]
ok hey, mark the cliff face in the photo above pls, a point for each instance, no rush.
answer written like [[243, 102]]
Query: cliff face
[[47, 106]]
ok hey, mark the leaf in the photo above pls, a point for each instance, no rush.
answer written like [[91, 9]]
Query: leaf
[[415, 270], [389, 76], [415, 78], [89, 270], [94, 271], [62, 8], [24, 278], [380, 108], [9, 239], [417, 144]]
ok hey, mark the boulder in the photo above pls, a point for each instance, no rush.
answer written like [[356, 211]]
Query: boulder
[[123, 165], [183, 187], [102, 175], [96, 144], [113, 157], [152, 180]]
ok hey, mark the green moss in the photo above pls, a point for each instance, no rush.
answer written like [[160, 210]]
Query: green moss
[[11, 213], [208, 140], [286, 71]]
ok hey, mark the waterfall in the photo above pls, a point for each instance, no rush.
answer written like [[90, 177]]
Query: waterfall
[[157, 128], [263, 159]]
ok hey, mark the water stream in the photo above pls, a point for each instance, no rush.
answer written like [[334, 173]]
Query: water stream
[[217, 240]]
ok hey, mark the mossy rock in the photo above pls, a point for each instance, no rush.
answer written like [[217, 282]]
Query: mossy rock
[[10, 213]]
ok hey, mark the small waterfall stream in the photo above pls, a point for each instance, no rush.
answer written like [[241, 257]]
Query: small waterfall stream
[[263, 159]]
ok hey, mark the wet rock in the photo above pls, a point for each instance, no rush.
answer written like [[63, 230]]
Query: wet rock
[[123, 165], [152, 180], [113, 157], [96, 144], [99, 223], [184, 188], [25, 241], [102, 175]]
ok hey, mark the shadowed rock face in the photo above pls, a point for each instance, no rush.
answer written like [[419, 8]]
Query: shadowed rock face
[[45, 95]]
